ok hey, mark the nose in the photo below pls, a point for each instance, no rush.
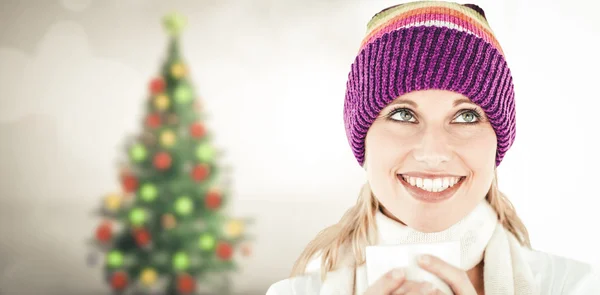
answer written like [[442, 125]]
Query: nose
[[433, 149]]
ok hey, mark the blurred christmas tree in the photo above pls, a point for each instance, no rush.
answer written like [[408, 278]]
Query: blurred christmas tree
[[167, 232]]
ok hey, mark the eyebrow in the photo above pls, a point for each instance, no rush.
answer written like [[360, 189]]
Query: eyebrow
[[461, 100], [414, 104]]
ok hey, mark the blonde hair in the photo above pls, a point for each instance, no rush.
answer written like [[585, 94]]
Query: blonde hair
[[356, 230]]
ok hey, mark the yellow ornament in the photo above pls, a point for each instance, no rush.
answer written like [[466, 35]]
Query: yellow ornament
[[167, 138], [112, 202], [234, 228], [178, 70], [148, 276], [161, 102]]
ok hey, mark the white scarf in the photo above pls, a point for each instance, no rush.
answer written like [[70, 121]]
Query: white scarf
[[481, 236]]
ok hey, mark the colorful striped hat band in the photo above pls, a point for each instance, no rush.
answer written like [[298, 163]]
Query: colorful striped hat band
[[429, 45]]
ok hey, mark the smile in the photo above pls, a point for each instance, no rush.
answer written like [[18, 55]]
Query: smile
[[432, 184], [431, 189]]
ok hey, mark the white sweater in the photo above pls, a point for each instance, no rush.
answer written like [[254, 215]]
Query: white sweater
[[553, 274]]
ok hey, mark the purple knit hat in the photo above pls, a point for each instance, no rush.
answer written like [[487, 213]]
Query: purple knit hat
[[429, 45]]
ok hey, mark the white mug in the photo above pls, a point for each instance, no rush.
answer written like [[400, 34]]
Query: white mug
[[383, 258]]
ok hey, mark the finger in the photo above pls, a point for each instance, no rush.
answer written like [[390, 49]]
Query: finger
[[408, 287], [388, 282], [456, 278]]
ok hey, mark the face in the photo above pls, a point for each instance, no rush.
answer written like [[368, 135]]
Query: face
[[430, 158]]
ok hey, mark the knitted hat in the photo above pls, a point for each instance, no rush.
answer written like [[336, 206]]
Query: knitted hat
[[429, 45]]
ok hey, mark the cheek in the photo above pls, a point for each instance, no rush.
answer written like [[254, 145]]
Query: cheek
[[386, 144], [475, 145]]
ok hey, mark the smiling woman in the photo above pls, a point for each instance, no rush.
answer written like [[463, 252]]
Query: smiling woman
[[430, 114]]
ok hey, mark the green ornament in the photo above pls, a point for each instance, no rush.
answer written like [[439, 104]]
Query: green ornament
[[114, 259], [183, 94], [174, 23], [207, 242], [138, 152], [184, 205], [137, 216], [205, 152], [181, 261], [149, 192]]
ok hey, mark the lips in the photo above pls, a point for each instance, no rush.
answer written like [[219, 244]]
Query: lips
[[431, 189]]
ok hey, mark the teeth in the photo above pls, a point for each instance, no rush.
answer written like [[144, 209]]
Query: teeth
[[432, 185]]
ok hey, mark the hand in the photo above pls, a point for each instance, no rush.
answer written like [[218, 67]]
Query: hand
[[456, 278], [387, 283], [394, 282]]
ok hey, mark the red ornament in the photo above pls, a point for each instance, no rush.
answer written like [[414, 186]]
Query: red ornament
[[142, 237], [153, 121], [224, 251], [185, 284], [129, 183], [197, 130], [119, 280], [157, 85], [104, 232], [162, 161], [213, 199], [200, 172]]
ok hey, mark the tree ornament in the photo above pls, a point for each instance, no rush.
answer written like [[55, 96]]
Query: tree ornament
[[185, 284], [178, 70], [184, 205], [197, 130], [181, 261], [137, 216], [174, 23], [148, 192], [161, 102], [168, 221], [148, 277], [138, 152], [114, 259], [162, 161], [129, 183], [142, 237], [153, 121], [213, 199], [200, 172], [167, 138], [104, 232], [112, 202], [205, 152], [118, 281], [157, 85], [234, 228], [224, 251], [183, 94], [207, 242]]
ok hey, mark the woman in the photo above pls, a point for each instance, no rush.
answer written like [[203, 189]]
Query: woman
[[430, 114]]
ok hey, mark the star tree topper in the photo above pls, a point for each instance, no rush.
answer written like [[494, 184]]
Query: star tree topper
[[174, 23]]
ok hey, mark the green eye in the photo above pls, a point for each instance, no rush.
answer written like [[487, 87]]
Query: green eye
[[468, 117], [402, 115]]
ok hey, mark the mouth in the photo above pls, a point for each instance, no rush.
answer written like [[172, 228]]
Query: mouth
[[431, 189]]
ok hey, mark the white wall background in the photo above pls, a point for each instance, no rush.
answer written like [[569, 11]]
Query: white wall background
[[73, 77]]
